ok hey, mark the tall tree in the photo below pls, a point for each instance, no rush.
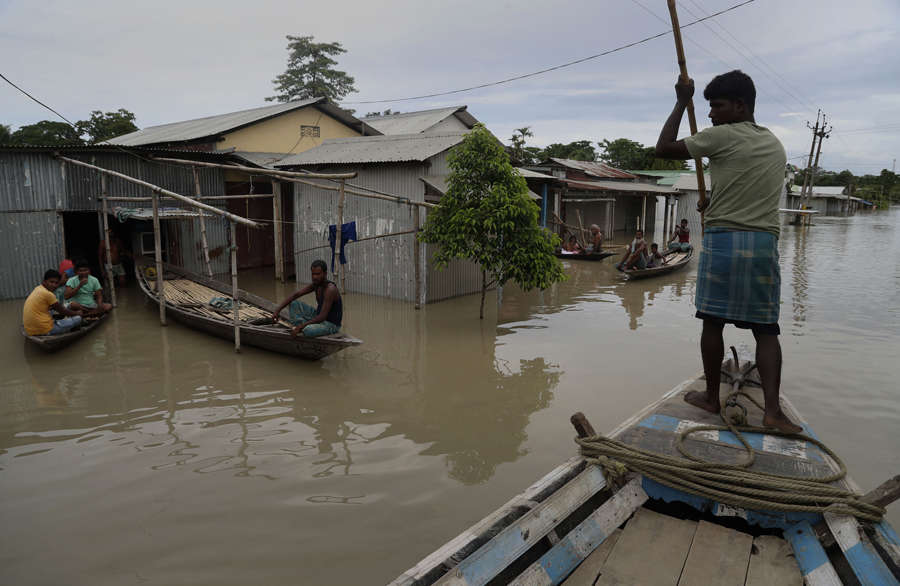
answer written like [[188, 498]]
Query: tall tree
[[579, 150], [46, 133], [623, 153], [518, 153], [105, 125], [5, 134], [487, 217], [310, 72]]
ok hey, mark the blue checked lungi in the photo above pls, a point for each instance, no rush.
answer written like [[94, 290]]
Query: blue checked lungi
[[738, 277]]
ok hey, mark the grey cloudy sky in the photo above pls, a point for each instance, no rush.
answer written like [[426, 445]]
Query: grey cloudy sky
[[170, 61]]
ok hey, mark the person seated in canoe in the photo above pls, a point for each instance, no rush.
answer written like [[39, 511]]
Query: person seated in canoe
[[84, 291], [635, 256], [655, 259], [117, 251], [683, 234], [572, 246], [36, 317], [325, 318], [596, 239]]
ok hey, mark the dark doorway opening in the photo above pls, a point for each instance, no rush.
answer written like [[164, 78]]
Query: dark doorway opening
[[82, 234]]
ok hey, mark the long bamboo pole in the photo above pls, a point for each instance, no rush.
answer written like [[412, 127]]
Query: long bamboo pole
[[391, 234], [260, 170], [204, 243], [338, 236], [395, 199], [692, 119], [108, 264], [417, 258], [198, 198], [164, 192], [157, 250], [278, 230], [235, 298]]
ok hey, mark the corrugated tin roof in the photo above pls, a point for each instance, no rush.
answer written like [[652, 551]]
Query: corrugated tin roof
[[439, 183], [689, 182], [260, 159], [211, 126], [821, 189], [529, 174], [375, 149], [665, 177], [594, 168], [415, 122], [636, 188]]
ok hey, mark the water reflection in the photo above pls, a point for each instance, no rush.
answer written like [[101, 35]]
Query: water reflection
[[799, 279]]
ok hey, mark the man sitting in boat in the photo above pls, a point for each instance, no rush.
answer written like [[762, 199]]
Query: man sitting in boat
[[84, 292], [655, 259], [738, 280], [635, 256], [36, 317], [596, 239], [683, 235], [325, 318]]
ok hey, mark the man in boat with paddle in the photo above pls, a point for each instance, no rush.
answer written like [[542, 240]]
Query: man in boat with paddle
[[738, 279], [325, 318]]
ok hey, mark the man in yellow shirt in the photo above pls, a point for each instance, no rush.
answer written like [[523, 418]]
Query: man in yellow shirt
[[738, 277], [36, 317]]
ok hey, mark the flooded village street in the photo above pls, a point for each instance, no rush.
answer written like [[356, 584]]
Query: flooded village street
[[159, 456]]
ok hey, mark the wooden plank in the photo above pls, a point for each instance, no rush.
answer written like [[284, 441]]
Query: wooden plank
[[588, 571], [719, 557], [513, 541], [553, 567], [886, 538], [772, 562], [812, 559], [649, 536], [862, 557]]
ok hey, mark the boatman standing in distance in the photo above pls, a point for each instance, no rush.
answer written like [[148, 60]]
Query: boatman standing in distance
[[738, 279], [325, 318]]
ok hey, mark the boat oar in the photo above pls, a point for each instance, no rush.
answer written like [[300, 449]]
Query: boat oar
[[692, 119]]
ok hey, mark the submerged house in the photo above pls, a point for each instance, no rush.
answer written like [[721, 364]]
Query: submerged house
[[51, 210], [596, 193], [827, 200], [411, 166]]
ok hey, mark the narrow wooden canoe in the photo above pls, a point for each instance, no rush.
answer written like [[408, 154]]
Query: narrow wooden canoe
[[591, 256], [60, 341], [675, 261], [187, 301], [574, 527]]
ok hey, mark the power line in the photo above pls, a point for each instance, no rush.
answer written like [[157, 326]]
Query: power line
[[6, 79], [548, 69]]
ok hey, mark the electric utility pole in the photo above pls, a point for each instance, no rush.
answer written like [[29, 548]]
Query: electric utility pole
[[824, 133], [812, 149]]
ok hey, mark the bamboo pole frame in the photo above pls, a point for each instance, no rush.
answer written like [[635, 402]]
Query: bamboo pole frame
[[157, 251], [198, 198], [204, 244], [259, 170], [392, 198], [235, 298], [159, 191], [417, 257], [404, 232], [108, 264], [278, 229], [339, 236]]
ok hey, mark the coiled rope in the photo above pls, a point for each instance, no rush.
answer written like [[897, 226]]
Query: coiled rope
[[733, 484]]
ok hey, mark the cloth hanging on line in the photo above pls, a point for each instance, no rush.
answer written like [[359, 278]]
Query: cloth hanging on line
[[348, 233]]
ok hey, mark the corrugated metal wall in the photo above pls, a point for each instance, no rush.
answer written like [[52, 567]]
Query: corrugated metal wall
[[31, 181], [31, 242]]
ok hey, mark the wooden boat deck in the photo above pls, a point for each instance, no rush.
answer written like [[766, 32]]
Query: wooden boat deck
[[659, 549], [193, 295]]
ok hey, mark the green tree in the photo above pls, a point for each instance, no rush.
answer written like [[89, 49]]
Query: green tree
[[310, 72], [105, 125], [579, 150], [518, 153], [623, 153], [5, 134], [487, 217], [46, 133]]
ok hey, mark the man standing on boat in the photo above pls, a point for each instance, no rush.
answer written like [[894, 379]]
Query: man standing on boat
[[325, 318], [738, 280]]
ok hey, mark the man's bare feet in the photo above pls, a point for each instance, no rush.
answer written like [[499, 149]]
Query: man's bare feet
[[781, 422], [698, 399]]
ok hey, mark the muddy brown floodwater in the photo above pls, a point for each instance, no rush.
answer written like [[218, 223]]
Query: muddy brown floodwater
[[149, 455]]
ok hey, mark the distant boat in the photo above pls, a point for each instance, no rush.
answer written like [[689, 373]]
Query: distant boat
[[575, 526], [187, 301], [50, 343], [674, 261]]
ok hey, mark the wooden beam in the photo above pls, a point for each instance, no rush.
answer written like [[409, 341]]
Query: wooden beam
[[235, 298], [259, 170], [339, 236], [278, 230], [159, 191], [393, 198], [108, 264], [417, 257], [204, 243], [157, 251]]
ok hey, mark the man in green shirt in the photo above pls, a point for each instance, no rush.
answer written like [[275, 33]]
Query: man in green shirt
[[83, 291], [738, 280]]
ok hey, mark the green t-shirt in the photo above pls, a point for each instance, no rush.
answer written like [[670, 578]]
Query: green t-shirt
[[746, 165], [85, 295]]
